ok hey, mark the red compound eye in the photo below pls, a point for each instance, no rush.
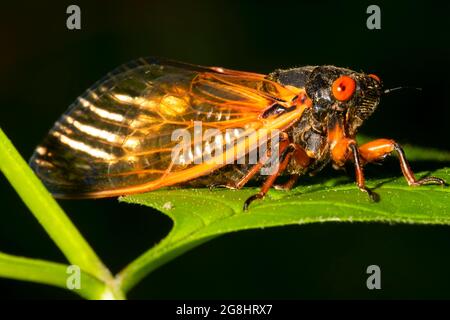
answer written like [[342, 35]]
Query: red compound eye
[[343, 88]]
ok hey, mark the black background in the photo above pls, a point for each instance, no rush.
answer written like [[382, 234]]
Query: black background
[[44, 67]]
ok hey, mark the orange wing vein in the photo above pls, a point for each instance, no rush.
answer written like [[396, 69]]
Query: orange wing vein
[[116, 138]]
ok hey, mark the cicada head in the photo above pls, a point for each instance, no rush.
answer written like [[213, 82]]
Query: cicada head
[[338, 91]]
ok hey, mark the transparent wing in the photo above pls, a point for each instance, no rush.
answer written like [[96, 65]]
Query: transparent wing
[[117, 139]]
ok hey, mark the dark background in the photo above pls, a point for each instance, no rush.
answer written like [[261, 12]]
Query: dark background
[[44, 67]]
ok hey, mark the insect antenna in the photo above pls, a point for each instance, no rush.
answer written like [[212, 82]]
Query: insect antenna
[[400, 88]]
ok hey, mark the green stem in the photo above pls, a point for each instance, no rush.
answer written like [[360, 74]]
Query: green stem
[[49, 213], [51, 273]]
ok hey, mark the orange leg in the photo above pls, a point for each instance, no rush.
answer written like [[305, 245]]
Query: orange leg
[[255, 169], [380, 148], [289, 184], [246, 178], [285, 157], [360, 180], [301, 158], [342, 149]]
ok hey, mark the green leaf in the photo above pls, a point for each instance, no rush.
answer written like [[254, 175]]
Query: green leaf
[[201, 214]]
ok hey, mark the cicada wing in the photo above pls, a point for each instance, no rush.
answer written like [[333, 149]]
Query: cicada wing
[[117, 137]]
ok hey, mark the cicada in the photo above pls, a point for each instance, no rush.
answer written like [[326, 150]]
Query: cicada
[[117, 137]]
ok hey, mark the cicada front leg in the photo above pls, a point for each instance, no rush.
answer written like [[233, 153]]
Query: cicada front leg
[[342, 149], [374, 151], [360, 180], [380, 148]]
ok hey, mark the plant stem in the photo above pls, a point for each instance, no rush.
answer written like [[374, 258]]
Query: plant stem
[[49, 213], [51, 273], [152, 259]]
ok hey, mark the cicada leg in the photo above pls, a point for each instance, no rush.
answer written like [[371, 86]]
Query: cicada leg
[[380, 148], [255, 169], [301, 159], [289, 184], [246, 178], [291, 150], [342, 149], [360, 180]]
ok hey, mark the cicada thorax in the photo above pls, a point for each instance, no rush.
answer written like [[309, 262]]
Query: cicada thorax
[[310, 131], [341, 100]]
